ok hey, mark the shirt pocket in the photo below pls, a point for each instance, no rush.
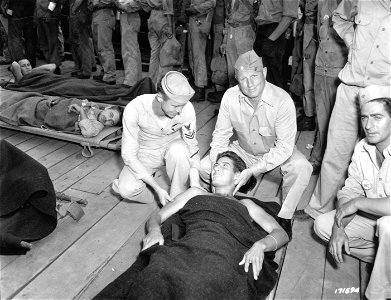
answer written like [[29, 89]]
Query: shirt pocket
[[268, 137], [265, 131]]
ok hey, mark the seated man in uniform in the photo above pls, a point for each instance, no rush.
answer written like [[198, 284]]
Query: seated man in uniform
[[363, 207], [263, 117], [159, 129], [224, 248]]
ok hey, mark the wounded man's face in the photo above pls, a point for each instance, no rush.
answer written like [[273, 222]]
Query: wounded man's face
[[25, 66], [223, 172]]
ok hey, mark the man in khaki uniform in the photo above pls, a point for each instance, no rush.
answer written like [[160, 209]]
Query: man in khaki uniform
[[130, 50], [200, 15]]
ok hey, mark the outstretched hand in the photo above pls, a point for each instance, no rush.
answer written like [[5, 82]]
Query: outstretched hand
[[254, 256], [244, 176]]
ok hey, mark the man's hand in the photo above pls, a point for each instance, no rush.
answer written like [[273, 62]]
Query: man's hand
[[191, 11], [153, 237], [310, 50], [338, 240], [163, 196], [75, 108], [255, 257], [223, 48], [244, 176], [347, 209]]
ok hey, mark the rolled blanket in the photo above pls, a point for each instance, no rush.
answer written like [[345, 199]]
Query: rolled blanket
[[27, 200]]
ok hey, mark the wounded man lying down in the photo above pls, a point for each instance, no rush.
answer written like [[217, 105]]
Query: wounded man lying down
[[58, 113], [220, 247]]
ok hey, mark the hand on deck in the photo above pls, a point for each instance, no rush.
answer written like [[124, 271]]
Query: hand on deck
[[255, 257], [244, 176], [338, 240], [152, 238]]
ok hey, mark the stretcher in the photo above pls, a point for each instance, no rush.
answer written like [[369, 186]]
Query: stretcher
[[109, 137]]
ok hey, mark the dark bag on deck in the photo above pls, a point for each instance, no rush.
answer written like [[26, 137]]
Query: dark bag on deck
[[27, 200]]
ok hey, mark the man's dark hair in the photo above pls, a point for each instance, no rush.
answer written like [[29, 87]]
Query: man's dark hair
[[238, 163], [386, 103], [120, 111]]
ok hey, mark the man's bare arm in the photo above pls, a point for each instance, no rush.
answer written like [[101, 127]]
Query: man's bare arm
[[154, 234], [281, 27]]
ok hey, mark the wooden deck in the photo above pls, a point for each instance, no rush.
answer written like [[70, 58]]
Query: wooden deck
[[79, 258]]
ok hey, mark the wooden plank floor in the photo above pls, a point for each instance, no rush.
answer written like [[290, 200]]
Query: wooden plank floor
[[79, 258]]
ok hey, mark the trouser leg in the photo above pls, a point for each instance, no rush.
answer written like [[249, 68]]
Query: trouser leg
[[296, 173], [30, 43], [198, 35], [360, 232], [379, 286], [15, 38], [217, 41], [85, 45], [343, 134], [92, 50], [272, 53], [154, 57], [308, 73], [74, 42], [325, 93], [103, 25], [60, 41], [131, 56], [177, 160], [48, 37]]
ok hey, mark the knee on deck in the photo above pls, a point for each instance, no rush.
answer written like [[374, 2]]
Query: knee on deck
[[130, 192]]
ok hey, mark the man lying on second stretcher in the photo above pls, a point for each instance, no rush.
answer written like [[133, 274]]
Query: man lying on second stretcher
[[53, 112]]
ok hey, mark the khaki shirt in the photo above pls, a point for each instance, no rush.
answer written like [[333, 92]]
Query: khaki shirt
[[332, 52], [167, 6], [142, 132], [272, 11], [366, 178], [203, 6], [237, 11], [267, 132], [365, 26]]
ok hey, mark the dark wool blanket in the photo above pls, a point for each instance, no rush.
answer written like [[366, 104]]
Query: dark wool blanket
[[27, 200], [204, 262], [47, 83], [33, 109]]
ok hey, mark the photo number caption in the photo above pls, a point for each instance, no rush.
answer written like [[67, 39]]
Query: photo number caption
[[347, 290]]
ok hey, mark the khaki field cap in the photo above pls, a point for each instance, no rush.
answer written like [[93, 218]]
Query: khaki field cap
[[249, 61], [176, 87], [374, 92]]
